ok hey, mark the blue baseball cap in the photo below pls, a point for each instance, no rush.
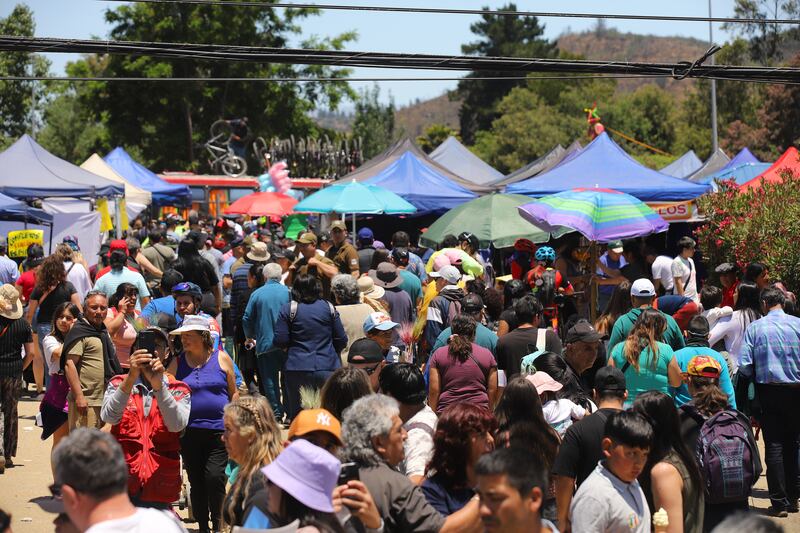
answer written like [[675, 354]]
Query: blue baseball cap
[[365, 234], [380, 321]]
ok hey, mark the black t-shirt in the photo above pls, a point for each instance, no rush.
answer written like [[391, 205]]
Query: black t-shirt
[[580, 449], [62, 293], [205, 277], [515, 345], [13, 334], [633, 271], [510, 318]]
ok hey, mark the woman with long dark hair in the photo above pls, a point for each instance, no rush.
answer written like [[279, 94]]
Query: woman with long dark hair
[[345, 386], [52, 289], [671, 478], [54, 404], [120, 320], [310, 330], [198, 270], [647, 363], [513, 290], [730, 330], [573, 390], [757, 273], [618, 305], [462, 371], [464, 432]]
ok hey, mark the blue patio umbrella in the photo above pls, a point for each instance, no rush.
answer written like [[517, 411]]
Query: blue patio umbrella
[[356, 198]]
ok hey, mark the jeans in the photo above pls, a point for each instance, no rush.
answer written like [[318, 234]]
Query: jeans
[[205, 458], [269, 363], [43, 330], [295, 379], [780, 422]]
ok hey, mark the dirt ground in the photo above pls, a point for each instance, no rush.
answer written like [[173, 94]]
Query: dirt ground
[[28, 480]]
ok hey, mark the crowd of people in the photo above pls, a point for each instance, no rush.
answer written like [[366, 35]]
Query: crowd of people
[[333, 383]]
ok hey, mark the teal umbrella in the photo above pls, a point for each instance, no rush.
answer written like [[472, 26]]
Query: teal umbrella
[[493, 218], [356, 198]]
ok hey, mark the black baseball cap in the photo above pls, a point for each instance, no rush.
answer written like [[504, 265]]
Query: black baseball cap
[[472, 303], [583, 331], [365, 350], [609, 378]]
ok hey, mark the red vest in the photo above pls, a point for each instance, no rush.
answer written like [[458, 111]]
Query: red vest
[[151, 450]]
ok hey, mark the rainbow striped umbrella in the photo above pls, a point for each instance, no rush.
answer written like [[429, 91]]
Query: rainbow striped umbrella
[[601, 215]]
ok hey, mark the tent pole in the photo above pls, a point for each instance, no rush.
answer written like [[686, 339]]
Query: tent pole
[[593, 291], [354, 225], [51, 238]]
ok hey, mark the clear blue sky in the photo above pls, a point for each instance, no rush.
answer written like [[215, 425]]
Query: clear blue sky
[[414, 33]]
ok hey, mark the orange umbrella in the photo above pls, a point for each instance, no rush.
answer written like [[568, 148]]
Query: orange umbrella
[[262, 204]]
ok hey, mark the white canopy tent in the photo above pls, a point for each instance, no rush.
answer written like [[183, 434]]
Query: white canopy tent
[[136, 199]]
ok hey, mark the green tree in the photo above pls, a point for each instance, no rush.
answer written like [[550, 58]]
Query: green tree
[[535, 118], [434, 135], [499, 36], [646, 115], [21, 100], [373, 122], [167, 120], [766, 40]]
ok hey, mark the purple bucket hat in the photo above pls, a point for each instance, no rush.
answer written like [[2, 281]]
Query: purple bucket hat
[[306, 472]]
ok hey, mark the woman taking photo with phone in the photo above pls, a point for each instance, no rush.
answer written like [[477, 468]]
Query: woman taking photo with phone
[[148, 410], [120, 320], [53, 408]]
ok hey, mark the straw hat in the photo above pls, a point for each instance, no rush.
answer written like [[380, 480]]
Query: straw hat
[[10, 306], [367, 287]]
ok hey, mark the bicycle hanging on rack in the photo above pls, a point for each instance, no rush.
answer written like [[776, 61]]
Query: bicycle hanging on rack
[[221, 157]]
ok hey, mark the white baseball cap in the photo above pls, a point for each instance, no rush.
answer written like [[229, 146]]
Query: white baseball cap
[[449, 273], [643, 287]]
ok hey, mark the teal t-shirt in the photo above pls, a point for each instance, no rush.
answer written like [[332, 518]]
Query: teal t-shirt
[[683, 356], [650, 376], [624, 324], [412, 285]]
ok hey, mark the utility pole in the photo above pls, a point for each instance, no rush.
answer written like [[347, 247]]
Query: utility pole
[[714, 141]]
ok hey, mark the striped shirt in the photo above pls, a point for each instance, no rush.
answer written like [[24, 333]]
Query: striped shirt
[[771, 347], [13, 334]]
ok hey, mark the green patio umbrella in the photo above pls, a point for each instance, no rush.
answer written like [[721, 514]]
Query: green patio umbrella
[[493, 218]]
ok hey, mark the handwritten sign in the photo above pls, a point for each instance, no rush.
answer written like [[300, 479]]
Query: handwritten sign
[[18, 241]]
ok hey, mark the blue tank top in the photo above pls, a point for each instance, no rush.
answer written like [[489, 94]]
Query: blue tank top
[[209, 385]]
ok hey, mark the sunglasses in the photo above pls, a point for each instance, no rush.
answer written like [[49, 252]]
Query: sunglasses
[[371, 370]]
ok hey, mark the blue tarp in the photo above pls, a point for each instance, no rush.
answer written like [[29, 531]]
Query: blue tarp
[[421, 185], [684, 166], [744, 156], [605, 165], [29, 171], [163, 193], [457, 158], [11, 209]]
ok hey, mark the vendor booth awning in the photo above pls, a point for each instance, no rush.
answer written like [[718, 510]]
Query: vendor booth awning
[[788, 162], [540, 165], [423, 186], [406, 146], [163, 193], [713, 164], [11, 209], [603, 164], [457, 158], [740, 173], [744, 156], [133, 194], [29, 171], [684, 166]]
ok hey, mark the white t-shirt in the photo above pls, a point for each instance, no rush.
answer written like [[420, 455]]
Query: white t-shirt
[[79, 277], [142, 521], [419, 444], [683, 267], [49, 345], [561, 413], [662, 271]]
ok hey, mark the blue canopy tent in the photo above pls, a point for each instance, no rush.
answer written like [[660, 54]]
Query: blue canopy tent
[[540, 165], [741, 174], [603, 164], [11, 209], [457, 158], [684, 166], [163, 193], [423, 186], [29, 171], [743, 157]]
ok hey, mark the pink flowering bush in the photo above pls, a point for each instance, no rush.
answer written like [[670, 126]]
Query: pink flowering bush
[[758, 224]]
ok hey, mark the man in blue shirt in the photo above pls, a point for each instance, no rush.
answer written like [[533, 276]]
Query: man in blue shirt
[[9, 271], [770, 356], [697, 344], [165, 305], [259, 329]]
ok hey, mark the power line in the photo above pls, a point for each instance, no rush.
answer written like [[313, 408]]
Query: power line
[[447, 11], [344, 59], [321, 79]]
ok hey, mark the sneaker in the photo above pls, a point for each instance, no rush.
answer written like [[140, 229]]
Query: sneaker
[[2, 465], [777, 512], [793, 509]]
